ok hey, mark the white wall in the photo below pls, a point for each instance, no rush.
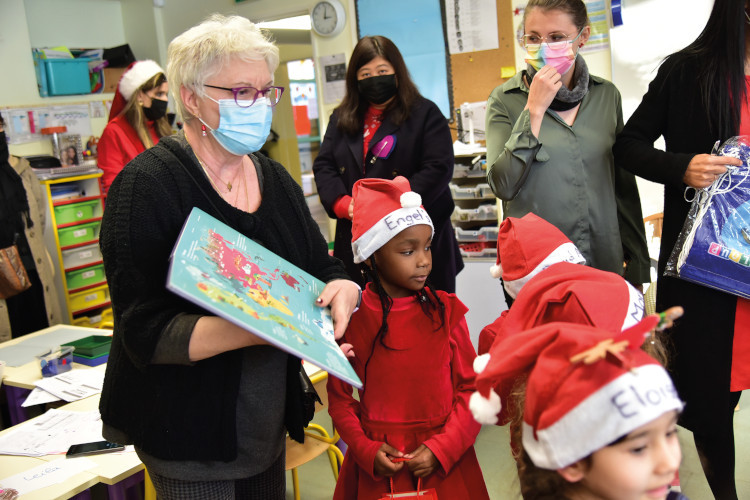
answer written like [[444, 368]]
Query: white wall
[[75, 23]]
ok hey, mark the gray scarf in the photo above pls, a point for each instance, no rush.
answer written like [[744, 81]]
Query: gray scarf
[[568, 98]]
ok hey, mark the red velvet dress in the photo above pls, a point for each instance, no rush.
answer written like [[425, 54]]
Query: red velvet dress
[[118, 145], [416, 392]]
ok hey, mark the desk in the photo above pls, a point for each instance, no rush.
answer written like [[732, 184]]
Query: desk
[[119, 471], [19, 380]]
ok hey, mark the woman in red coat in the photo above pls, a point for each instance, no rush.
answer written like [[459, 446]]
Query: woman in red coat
[[412, 352], [137, 120]]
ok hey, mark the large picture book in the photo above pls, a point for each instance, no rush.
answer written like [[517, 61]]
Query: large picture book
[[233, 277]]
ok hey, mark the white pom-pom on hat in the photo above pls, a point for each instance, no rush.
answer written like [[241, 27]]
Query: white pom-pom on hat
[[480, 362], [136, 76], [483, 409], [496, 271], [410, 199]]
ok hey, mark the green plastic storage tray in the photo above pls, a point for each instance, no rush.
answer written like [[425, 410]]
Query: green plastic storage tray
[[78, 234], [73, 212], [91, 347], [85, 277]]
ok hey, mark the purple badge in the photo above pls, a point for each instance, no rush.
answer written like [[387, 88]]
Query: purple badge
[[384, 147]]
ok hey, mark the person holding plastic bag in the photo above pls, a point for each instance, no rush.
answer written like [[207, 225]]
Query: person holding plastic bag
[[699, 96]]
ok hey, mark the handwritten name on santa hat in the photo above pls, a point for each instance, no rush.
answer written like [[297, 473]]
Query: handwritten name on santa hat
[[586, 388], [382, 209]]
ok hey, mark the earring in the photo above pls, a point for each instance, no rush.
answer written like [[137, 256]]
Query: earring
[[203, 130]]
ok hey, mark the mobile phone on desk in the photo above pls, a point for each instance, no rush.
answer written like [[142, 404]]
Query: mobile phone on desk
[[83, 449]]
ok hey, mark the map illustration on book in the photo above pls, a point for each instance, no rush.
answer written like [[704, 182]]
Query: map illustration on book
[[235, 278]]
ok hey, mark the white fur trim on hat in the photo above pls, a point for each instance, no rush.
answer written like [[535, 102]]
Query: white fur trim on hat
[[633, 399], [386, 228], [480, 362], [140, 73], [483, 409], [567, 252]]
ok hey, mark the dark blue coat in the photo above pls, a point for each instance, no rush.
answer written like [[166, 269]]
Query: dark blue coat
[[423, 153]]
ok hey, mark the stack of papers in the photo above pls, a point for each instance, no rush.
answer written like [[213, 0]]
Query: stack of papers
[[69, 386]]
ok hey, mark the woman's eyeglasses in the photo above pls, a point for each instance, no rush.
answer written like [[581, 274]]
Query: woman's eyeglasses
[[246, 96], [552, 41]]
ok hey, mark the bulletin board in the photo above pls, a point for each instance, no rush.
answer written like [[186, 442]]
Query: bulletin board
[[475, 74]]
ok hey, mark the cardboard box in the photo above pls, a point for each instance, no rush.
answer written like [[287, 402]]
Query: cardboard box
[[111, 78]]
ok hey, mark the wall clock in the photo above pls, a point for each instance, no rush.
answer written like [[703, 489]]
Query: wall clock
[[328, 18]]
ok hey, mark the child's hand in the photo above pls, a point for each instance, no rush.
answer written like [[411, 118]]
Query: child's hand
[[423, 462], [347, 349], [383, 464]]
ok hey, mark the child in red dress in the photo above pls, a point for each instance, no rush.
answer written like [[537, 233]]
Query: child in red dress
[[414, 356]]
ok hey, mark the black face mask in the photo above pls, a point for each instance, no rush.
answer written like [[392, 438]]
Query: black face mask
[[157, 110], [4, 154], [378, 89]]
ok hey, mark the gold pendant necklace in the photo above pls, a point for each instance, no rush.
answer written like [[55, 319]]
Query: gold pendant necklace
[[206, 169]]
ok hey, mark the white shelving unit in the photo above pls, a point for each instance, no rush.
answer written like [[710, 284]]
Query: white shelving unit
[[477, 214]]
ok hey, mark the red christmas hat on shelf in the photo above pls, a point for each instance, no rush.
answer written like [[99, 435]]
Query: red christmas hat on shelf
[[382, 209], [527, 246], [136, 75], [586, 387]]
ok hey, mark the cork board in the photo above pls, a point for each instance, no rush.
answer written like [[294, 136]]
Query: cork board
[[476, 74]]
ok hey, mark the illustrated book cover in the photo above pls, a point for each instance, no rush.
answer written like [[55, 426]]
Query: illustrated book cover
[[230, 275]]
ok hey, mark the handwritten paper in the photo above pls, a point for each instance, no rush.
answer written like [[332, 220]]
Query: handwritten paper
[[47, 474], [73, 385], [52, 433]]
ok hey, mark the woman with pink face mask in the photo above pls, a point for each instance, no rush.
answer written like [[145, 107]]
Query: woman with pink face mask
[[550, 131]]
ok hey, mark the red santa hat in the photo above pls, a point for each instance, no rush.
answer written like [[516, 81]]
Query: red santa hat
[[527, 246], [586, 387], [136, 75], [382, 209], [564, 292]]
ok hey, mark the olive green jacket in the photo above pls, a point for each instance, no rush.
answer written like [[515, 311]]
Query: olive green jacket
[[568, 175]]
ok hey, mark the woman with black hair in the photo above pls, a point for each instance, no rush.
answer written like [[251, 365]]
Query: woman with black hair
[[699, 96], [384, 128]]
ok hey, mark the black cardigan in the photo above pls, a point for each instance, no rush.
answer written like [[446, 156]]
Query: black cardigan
[[185, 412], [702, 339]]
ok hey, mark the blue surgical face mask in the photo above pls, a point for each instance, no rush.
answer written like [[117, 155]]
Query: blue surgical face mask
[[242, 131]]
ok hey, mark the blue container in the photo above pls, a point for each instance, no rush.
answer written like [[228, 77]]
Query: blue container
[[67, 76], [56, 361]]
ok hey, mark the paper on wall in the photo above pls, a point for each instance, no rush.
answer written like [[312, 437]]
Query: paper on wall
[[471, 25]]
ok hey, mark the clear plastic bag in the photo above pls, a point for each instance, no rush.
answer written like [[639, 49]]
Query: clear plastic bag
[[713, 248]]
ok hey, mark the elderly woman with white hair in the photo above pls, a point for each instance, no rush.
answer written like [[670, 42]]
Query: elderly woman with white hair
[[208, 404]]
